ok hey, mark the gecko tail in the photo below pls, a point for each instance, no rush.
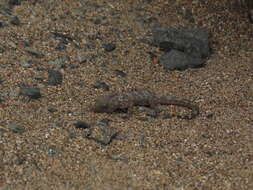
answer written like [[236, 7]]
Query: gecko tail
[[170, 100]]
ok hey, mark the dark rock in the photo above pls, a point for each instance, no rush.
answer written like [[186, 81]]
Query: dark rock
[[97, 21], [52, 110], [82, 58], [72, 135], [79, 13], [15, 20], [205, 135], [101, 85], [26, 65], [178, 60], [20, 160], [82, 84], [143, 118], [16, 128], [63, 36], [192, 41], [2, 23], [74, 66], [61, 46], [104, 121], [102, 134], [52, 151], [34, 52], [6, 10], [152, 113], [38, 78], [250, 15], [55, 124], [31, 92], [109, 47], [59, 62], [96, 36], [81, 125], [167, 116], [2, 99], [54, 77], [90, 46], [120, 73], [209, 116], [1, 49], [2, 131], [152, 55], [14, 2]]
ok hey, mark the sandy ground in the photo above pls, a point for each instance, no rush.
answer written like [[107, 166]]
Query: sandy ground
[[213, 151]]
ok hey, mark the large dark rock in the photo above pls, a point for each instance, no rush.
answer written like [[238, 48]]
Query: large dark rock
[[193, 41], [176, 60], [184, 47]]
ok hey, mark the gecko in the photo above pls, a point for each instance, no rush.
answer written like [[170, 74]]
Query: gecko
[[113, 102]]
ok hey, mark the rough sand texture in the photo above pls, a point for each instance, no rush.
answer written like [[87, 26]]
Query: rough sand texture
[[213, 151]]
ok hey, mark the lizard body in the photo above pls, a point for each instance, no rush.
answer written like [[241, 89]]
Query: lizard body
[[124, 100]]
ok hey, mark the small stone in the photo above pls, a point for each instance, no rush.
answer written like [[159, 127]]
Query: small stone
[[16, 128], [14, 2], [120, 73], [143, 118], [54, 77], [71, 134], [20, 161], [104, 121], [52, 110], [109, 47], [177, 60], [55, 124], [97, 21], [2, 99], [82, 58], [52, 151], [209, 116], [2, 23], [38, 78], [34, 52], [82, 84], [101, 85], [81, 125], [152, 113], [60, 46], [26, 65], [205, 135], [15, 20], [31, 92], [250, 15], [103, 134], [167, 116], [59, 63]]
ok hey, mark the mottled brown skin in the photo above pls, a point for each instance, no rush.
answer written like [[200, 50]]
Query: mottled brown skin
[[120, 101]]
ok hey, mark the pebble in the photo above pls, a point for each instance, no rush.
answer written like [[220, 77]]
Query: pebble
[[31, 92], [109, 47], [54, 77], [81, 124], [15, 128]]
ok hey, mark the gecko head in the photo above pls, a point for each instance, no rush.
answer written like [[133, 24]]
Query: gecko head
[[101, 105]]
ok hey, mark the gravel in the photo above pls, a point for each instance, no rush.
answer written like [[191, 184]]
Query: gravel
[[108, 47]]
